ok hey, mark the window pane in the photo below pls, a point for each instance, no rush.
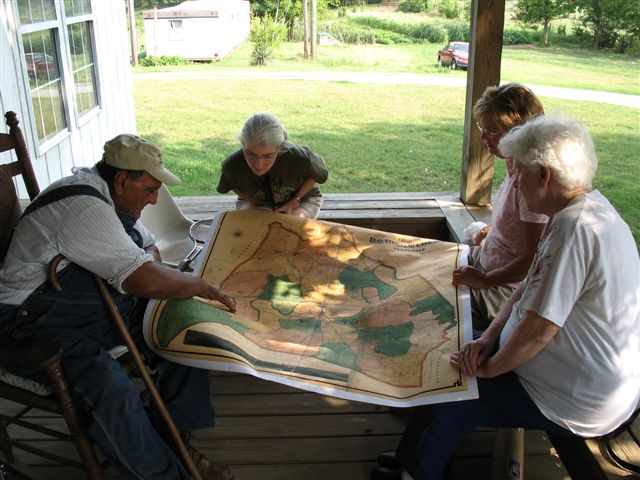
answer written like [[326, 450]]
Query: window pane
[[47, 106], [73, 8], [82, 66], [35, 11], [41, 59]]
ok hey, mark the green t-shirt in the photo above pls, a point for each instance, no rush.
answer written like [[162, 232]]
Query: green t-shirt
[[291, 168]]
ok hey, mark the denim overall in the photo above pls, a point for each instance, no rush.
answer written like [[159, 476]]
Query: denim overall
[[79, 322]]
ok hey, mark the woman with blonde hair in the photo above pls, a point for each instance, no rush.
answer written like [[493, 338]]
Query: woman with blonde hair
[[503, 252]]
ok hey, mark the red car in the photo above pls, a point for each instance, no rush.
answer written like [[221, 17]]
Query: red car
[[41, 65], [455, 55]]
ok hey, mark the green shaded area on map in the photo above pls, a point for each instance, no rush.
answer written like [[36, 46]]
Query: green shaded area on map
[[283, 294], [391, 340], [309, 325], [438, 305], [354, 279], [339, 354], [181, 314]]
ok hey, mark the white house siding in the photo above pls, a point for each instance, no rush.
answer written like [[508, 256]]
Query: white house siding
[[82, 142]]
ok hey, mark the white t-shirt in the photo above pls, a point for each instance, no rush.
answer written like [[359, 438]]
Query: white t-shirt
[[84, 229], [585, 278]]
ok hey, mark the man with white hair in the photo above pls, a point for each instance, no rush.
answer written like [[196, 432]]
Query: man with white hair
[[568, 338], [91, 218]]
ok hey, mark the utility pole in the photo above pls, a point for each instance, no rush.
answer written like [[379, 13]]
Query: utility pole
[[133, 34], [314, 29], [305, 21]]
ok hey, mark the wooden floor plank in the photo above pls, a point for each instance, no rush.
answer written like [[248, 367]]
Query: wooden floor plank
[[301, 426], [288, 404], [324, 471], [297, 450], [240, 384]]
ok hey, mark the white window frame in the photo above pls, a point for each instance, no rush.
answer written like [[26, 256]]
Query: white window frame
[[90, 20], [70, 114]]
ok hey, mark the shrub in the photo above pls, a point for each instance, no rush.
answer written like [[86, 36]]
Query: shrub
[[389, 38], [418, 32], [634, 46], [534, 36], [628, 44], [514, 37], [449, 8], [266, 36], [164, 60], [430, 33], [413, 6], [383, 24], [458, 32], [350, 34]]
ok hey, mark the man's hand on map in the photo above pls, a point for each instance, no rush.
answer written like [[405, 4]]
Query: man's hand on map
[[213, 295], [471, 357], [471, 277]]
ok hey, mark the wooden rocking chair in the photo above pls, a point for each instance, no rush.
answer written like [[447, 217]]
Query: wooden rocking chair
[[47, 356], [33, 354]]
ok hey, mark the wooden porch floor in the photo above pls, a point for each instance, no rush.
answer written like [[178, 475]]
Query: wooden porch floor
[[268, 431]]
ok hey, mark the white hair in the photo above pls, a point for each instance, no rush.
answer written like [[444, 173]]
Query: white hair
[[265, 128], [561, 144]]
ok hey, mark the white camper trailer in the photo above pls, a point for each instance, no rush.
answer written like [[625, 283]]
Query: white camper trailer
[[197, 29]]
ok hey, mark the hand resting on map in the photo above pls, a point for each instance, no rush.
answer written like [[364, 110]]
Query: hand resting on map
[[471, 358], [154, 280], [471, 277], [215, 297]]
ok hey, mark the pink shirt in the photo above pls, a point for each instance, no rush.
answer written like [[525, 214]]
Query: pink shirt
[[507, 240]]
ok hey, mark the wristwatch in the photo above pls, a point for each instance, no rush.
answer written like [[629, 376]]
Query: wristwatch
[[298, 198]]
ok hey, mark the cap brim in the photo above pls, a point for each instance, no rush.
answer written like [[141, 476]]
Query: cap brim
[[164, 176]]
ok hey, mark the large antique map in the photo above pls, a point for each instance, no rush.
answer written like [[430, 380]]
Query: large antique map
[[345, 311]]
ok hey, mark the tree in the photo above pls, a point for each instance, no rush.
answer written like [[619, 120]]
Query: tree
[[149, 4], [610, 21], [266, 36], [287, 11], [542, 11]]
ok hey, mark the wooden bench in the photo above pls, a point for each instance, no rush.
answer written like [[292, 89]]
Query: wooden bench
[[613, 456], [422, 214]]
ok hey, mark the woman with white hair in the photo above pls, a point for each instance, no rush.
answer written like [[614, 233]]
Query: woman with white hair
[[569, 336], [270, 173]]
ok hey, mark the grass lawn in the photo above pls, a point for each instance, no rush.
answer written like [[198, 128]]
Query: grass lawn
[[561, 67], [383, 138], [374, 138]]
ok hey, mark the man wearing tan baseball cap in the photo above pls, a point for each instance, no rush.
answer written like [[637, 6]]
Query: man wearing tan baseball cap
[[130, 152], [92, 218]]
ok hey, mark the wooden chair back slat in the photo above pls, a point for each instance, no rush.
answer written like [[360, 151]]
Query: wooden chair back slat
[[15, 140], [9, 211], [9, 201]]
